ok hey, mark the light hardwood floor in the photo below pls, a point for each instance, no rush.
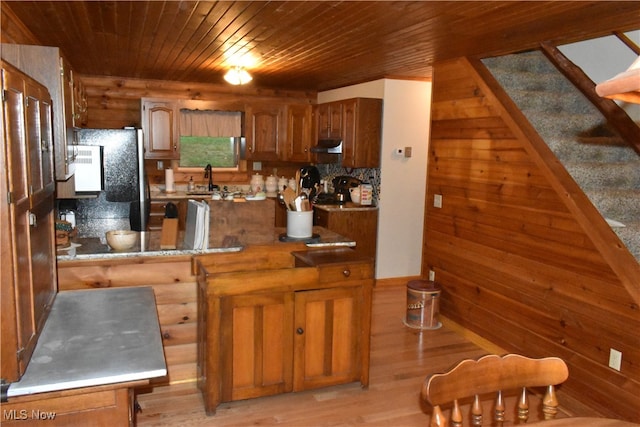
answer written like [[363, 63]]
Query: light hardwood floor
[[401, 357]]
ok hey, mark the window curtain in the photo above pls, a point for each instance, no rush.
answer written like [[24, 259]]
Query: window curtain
[[210, 123]]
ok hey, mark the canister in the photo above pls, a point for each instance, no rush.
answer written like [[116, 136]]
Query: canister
[[423, 302], [366, 194], [257, 183]]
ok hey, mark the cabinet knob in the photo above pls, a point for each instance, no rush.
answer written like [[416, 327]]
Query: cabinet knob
[[300, 331], [346, 272]]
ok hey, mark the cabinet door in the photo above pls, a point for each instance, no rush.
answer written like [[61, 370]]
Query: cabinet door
[[329, 120], [327, 337], [350, 117], [15, 136], [159, 126], [46, 144], [39, 142], [299, 133], [29, 249], [265, 134], [256, 345], [361, 133], [360, 225]]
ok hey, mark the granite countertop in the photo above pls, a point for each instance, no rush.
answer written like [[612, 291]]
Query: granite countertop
[[96, 337], [349, 206], [179, 194], [149, 244]]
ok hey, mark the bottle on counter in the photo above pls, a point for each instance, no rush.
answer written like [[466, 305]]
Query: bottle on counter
[[191, 186]]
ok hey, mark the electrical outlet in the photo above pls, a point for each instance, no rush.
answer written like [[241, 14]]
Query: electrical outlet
[[160, 165], [437, 200], [432, 275], [615, 359]]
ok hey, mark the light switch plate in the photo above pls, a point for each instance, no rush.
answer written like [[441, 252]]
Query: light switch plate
[[437, 200], [615, 359]]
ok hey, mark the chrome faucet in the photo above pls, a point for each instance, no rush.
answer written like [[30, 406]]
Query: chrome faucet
[[209, 174]]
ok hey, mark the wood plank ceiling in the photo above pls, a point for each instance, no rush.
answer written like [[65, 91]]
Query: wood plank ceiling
[[312, 45]]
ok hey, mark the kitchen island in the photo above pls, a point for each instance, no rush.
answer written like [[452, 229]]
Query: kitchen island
[[172, 276], [282, 322]]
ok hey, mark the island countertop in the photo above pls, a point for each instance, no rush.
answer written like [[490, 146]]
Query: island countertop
[[148, 244], [93, 338]]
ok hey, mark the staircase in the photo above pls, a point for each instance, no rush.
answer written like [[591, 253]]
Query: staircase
[[606, 168]]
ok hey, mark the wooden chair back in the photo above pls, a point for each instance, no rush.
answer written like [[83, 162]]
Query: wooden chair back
[[490, 374]]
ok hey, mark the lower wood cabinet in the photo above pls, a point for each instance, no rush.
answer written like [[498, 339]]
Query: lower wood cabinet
[[290, 326], [102, 406], [360, 224]]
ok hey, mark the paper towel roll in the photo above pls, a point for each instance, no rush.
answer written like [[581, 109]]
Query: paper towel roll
[[168, 181]]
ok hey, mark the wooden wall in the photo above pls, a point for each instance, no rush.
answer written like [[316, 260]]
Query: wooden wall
[[523, 257], [175, 290]]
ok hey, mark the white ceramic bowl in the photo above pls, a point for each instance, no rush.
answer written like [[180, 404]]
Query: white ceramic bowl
[[121, 240]]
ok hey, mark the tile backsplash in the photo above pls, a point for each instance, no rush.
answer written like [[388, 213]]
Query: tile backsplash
[[371, 176]]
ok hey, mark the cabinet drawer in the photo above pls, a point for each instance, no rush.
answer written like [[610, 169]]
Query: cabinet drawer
[[342, 272]]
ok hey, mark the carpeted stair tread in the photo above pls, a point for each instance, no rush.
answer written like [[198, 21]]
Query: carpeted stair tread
[[601, 162]]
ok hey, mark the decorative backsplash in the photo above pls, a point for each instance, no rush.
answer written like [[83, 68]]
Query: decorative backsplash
[[371, 176]]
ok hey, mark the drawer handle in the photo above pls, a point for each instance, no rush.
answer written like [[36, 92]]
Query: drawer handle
[[346, 272], [300, 331]]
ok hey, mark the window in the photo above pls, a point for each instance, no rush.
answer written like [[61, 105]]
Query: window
[[210, 137]]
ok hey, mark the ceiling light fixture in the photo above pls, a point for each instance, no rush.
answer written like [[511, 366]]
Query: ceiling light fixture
[[238, 76]]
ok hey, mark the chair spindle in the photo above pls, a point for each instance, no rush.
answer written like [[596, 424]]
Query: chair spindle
[[550, 403], [523, 406], [498, 410]]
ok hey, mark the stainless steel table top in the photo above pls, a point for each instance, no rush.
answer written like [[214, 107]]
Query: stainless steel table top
[[96, 337]]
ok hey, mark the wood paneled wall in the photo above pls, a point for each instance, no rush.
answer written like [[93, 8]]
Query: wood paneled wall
[[175, 290], [523, 257], [115, 102]]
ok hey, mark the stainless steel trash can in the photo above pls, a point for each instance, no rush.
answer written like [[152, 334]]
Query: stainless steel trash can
[[423, 304]]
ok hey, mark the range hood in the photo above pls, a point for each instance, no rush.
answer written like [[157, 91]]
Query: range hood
[[328, 146]]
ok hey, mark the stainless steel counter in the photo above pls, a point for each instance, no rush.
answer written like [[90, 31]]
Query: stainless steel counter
[[96, 337]]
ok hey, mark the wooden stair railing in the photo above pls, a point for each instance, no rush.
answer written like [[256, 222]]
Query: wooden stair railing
[[615, 115]]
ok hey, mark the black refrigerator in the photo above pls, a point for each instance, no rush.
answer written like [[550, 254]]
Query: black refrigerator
[[123, 202]]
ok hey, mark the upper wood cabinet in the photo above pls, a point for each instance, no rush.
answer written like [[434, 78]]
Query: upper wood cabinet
[[358, 121], [265, 132], [329, 120], [160, 129], [47, 66], [361, 133], [299, 125], [28, 284]]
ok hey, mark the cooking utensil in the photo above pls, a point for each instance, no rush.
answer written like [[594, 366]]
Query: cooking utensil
[[289, 196]]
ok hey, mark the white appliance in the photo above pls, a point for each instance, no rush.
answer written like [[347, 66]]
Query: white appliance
[[88, 175]]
